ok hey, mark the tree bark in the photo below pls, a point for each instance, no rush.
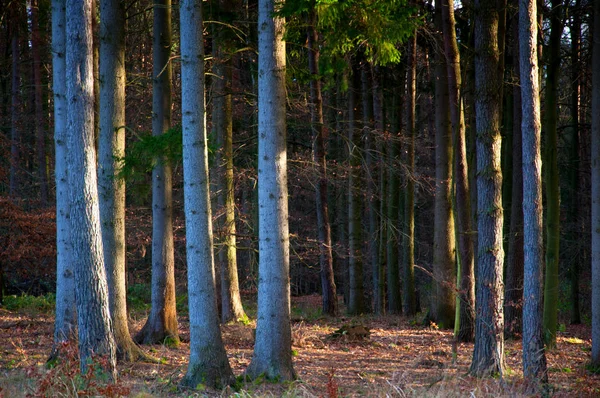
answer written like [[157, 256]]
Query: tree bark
[[65, 321], [15, 105], [162, 321], [91, 290], [488, 353], [534, 358], [273, 347], [208, 363], [595, 222]]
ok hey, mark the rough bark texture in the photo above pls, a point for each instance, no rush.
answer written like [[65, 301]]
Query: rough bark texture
[[162, 321], [111, 189], [444, 278], [273, 345], [596, 188], [65, 322], [552, 222], [488, 353], [534, 358], [328, 287], [408, 242], [37, 48], [91, 290], [231, 301], [466, 265], [208, 363], [355, 304]]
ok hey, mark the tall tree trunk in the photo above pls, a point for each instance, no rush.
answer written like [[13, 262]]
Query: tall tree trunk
[[488, 353], [443, 300], [571, 200], [379, 134], [91, 290], [111, 189], [323, 226], [208, 363], [15, 134], [513, 293], [410, 299], [534, 358], [466, 266], [273, 348], [162, 321], [551, 176], [40, 123], [65, 321], [355, 303], [595, 226], [231, 301]]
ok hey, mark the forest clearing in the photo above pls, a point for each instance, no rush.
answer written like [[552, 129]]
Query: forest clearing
[[399, 359]]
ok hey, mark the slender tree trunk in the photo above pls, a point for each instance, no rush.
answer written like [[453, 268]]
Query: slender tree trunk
[[323, 226], [355, 303], [231, 301], [534, 358], [162, 321], [91, 290], [551, 176], [513, 294], [410, 300], [595, 226], [208, 363], [379, 136], [15, 134], [273, 348], [444, 251], [488, 353], [40, 123], [65, 321], [571, 200], [111, 189], [466, 267]]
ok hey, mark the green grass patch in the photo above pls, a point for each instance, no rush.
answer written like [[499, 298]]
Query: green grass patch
[[30, 304]]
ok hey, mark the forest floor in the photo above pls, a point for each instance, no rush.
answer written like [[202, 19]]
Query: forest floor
[[398, 359]]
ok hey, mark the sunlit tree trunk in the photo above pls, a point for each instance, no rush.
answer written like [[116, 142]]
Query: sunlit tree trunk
[[208, 363], [273, 345], [91, 290], [488, 353], [162, 321], [534, 358], [65, 321]]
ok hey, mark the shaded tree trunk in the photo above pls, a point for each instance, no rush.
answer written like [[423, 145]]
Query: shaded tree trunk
[[208, 364], [91, 290], [15, 105], [273, 348], [379, 136], [328, 287], [488, 353], [534, 358], [162, 321], [595, 226]]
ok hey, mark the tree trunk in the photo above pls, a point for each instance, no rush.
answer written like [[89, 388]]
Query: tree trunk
[[488, 353], [408, 241], [15, 134], [40, 123], [513, 293], [111, 148], [231, 301], [273, 347], [551, 177], [466, 272], [534, 358], [65, 322], [91, 290], [379, 136], [571, 200], [355, 303], [208, 363], [595, 226], [316, 102], [444, 251], [162, 321]]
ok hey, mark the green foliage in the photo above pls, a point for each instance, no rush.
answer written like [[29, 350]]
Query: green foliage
[[139, 297], [30, 304]]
